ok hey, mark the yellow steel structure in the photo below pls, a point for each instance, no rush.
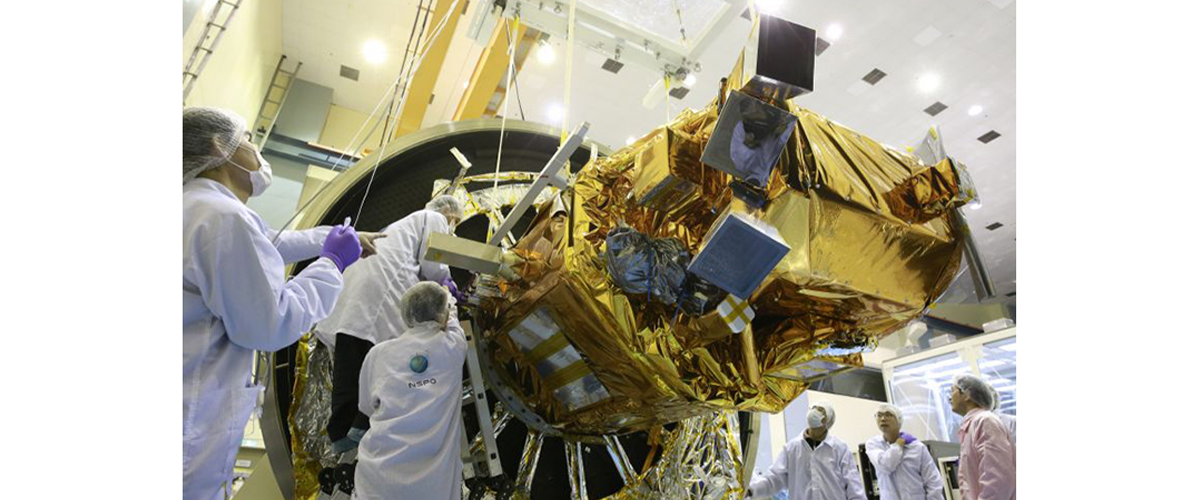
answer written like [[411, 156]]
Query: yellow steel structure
[[491, 68], [420, 88]]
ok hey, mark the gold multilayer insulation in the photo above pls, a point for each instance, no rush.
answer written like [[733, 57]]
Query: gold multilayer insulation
[[871, 246], [308, 414]]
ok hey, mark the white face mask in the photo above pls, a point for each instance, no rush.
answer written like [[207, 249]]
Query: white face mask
[[814, 419], [260, 179]]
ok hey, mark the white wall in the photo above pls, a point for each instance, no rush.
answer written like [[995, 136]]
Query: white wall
[[240, 69]]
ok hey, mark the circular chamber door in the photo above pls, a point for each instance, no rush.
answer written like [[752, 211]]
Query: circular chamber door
[[696, 458]]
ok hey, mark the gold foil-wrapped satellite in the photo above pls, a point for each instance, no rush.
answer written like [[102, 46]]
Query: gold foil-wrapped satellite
[[869, 247]]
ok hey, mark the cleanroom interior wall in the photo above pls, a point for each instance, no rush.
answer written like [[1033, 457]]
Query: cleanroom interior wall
[[341, 126], [240, 69], [279, 202]]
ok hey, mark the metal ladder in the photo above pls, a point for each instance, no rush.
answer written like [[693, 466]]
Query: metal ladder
[[268, 111], [488, 455], [201, 54]]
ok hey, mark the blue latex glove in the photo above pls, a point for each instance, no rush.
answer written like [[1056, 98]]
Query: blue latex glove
[[342, 247], [908, 438]]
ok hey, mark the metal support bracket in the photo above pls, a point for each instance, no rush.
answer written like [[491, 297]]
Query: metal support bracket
[[548, 176]]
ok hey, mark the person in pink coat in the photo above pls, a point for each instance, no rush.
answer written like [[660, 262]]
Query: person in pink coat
[[987, 462]]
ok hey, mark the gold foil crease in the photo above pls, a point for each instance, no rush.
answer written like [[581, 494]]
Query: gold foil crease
[[308, 414]]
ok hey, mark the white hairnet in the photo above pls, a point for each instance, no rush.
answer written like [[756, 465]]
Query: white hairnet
[[210, 137], [975, 389], [995, 397], [425, 301], [446, 205], [830, 415], [888, 408]]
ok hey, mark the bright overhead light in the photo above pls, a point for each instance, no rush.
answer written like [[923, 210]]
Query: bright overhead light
[[768, 6], [833, 32], [629, 140], [545, 53], [554, 113], [975, 110], [374, 51], [690, 80], [928, 82], [975, 204]]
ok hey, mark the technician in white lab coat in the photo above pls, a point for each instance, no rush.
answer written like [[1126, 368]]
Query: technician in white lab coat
[[903, 466], [411, 387], [813, 466], [369, 311], [235, 298]]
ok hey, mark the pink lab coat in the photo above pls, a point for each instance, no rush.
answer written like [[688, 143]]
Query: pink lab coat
[[987, 463]]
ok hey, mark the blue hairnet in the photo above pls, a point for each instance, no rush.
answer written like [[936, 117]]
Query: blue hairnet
[[446, 205], [975, 389], [210, 137], [425, 301]]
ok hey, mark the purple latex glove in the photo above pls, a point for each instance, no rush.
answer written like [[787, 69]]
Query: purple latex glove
[[908, 438], [453, 287], [342, 246]]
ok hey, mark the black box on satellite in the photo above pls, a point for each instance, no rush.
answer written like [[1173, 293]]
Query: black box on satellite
[[780, 59]]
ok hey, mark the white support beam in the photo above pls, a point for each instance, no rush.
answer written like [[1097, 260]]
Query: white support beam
[[619, 41]]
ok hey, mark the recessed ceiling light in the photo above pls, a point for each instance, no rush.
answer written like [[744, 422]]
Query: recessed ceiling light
[[975, 110], [928, 82], [374, 51], [768, 6], [690, 80], [629, 140], [554, 113], [833, 32], [545, 53]]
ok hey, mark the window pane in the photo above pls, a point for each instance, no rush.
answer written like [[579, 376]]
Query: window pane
[[998, 365], [922, 392]]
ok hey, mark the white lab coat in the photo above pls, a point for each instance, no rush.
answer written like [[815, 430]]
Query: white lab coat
[[904, 472], [235, 301], [826, 473], [370, 305], [412, 448]]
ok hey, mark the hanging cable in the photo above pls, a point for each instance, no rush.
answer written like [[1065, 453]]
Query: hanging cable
[[562, 139], [512, 60], [404, 97], [516, 86], [682, 32], [350, 146]]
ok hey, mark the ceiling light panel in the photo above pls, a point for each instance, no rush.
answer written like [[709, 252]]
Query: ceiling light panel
[[821, 46], [612, 66], [874, 76], [935, 108]]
